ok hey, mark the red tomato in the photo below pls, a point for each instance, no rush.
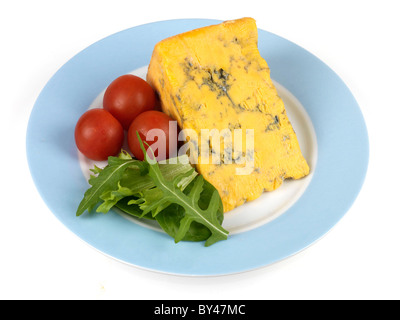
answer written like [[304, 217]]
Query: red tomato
[[98, 134], [163, 141], [128, 96]]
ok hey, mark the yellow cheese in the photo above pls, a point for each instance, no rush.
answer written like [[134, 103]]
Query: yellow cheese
[[214, 78]]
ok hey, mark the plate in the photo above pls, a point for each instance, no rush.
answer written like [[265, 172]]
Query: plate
[[325, 116]]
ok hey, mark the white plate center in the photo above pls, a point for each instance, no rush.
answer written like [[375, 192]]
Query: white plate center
[[271, 204]]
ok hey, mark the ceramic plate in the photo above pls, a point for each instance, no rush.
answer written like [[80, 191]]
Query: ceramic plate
[[327, 120]]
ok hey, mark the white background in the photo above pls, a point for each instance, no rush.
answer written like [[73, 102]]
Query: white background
[[357, 259]]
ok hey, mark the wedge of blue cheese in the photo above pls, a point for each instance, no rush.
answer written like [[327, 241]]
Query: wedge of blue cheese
[[214, 78]]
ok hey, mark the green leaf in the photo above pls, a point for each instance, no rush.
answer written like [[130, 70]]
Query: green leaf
[[169, 219], [110, 198], [149, 201], [131, 209], [190, 203], [106, 181], [133, 182], [185, 205]]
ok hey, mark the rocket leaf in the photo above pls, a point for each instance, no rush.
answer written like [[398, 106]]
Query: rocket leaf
[[106, 180], [185, 205], [169, 218], [169, 192]]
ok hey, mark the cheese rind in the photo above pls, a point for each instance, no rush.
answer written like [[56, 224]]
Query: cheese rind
[[214, 78]]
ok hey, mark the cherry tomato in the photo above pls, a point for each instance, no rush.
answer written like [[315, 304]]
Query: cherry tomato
[[128, 96], [98, 134], [163, 141]]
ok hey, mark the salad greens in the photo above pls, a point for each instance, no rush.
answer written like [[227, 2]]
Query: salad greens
[[183, 203]]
